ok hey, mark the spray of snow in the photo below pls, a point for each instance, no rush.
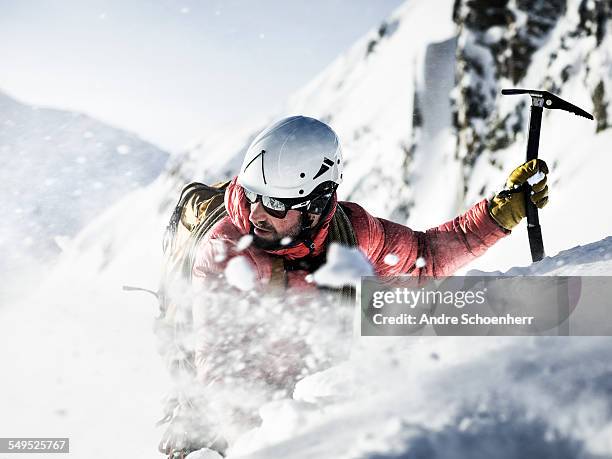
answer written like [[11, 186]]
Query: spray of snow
[[240, 274], [244, 242], [204, 454], [391, 259], [219, 250], [344, 266]]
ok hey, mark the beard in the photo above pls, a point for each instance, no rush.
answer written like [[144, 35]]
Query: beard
[[273, 241], [266, 244]]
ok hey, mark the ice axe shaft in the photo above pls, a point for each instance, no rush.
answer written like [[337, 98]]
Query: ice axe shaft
[[539, 101], [534, 230]]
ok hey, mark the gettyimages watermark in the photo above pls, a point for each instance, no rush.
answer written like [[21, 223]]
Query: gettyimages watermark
[[486, 305]]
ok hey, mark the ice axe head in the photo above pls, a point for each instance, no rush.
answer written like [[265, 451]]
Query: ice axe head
[[545, 99]]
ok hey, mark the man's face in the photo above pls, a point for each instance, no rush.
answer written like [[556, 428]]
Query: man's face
[[269, 230]]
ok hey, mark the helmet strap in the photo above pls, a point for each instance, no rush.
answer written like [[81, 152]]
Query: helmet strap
[[307, 230]]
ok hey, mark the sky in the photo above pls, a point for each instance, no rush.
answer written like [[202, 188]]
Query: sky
[[174, 71]]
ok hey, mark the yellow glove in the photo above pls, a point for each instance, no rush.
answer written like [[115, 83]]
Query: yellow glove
[[508, 207]]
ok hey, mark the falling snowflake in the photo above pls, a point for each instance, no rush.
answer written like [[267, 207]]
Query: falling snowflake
[[123, 149], [244, 242], [420, 262], [219, 250], [391, 259], [239, 273]]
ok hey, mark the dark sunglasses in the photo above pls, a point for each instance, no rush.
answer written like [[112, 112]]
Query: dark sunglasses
[[278, 207]]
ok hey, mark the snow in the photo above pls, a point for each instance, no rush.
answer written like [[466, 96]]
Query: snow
[[239, 274], [204, 454], [344, 266], [493, 34], [53, 183], [244, 242], [283, 419], [391, 259], [594, 259], [78, 353], [536, 178], [220, 251], [62, 242], [123, 149]]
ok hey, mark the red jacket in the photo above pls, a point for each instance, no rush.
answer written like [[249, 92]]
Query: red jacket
[[444, 249]]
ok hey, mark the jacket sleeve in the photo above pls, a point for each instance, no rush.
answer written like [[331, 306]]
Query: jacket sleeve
[[394, 249]]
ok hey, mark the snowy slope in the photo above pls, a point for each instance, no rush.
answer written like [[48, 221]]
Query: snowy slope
[[427, 397], [79, 354], [60, 169], [534, 402]]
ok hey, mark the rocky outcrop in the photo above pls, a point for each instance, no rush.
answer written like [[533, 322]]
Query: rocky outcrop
[[497, 42]]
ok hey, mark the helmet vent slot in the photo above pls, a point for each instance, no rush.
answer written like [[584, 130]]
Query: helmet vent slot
[[327, 163]]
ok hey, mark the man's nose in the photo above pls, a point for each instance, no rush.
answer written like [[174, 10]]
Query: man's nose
[[258, 212]]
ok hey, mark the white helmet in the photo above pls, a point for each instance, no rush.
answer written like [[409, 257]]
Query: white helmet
[[291, 158]]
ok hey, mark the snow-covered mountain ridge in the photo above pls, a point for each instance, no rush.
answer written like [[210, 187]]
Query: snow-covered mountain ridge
[[60, 170]]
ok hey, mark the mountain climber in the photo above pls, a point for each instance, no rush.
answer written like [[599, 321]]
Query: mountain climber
[[285, 197]]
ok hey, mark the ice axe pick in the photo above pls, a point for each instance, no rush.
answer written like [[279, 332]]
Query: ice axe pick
[[539, 101]]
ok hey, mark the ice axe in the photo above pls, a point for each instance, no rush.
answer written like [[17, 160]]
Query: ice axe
[[539, 101]]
